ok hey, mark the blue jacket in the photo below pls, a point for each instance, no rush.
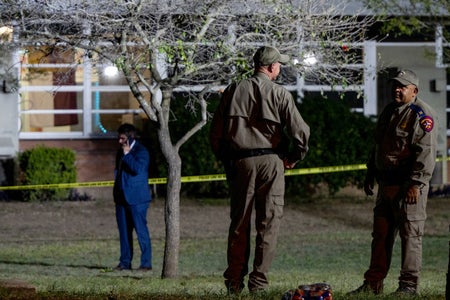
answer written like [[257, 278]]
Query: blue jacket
[[133, 171]]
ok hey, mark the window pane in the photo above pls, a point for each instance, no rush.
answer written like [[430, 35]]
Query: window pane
[[105, 125], [116, 100], [58, 100], [107, 75], [105, 120], [112, 100], [51, 67], [46, 123]]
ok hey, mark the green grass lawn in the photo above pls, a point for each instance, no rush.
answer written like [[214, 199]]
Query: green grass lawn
[[82, 268]]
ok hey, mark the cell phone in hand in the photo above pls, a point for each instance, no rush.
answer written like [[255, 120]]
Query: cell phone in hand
[[130, 140]]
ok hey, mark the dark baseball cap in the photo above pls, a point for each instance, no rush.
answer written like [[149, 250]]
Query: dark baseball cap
[[267, 55], [406, 77]]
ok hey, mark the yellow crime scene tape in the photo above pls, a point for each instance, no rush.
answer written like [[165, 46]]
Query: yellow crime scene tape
[[195, 178], [184, 179]]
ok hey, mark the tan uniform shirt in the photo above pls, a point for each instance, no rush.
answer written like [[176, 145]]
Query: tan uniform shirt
[[253, 114], [405, 147]]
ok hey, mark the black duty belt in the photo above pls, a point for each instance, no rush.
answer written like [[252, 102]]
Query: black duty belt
[[396, 176], [245, 153]]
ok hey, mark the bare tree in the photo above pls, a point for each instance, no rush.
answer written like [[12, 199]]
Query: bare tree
[[162, 45]]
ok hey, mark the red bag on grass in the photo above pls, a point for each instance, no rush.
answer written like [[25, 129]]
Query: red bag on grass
[[315, 291]]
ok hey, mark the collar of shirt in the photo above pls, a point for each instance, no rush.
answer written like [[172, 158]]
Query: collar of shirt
[[262, 75], [402, 108]]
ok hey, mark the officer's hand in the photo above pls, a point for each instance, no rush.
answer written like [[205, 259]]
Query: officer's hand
[[412, 194], [368, 187], [288, 164]]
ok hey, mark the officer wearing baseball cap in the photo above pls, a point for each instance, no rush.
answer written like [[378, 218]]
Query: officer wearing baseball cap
[[247, 136], [406, 77], [268, 55], [402, 162]]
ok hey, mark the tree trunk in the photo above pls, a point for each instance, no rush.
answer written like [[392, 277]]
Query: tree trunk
[[172, 205], [172, 218]]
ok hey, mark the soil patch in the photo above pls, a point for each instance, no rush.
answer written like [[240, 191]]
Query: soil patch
[[17, 289]]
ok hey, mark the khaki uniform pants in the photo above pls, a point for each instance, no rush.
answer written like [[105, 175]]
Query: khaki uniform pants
[[257, 182], [392, 217]]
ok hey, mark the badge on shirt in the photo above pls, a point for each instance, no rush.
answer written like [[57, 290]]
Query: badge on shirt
[[427, 123]]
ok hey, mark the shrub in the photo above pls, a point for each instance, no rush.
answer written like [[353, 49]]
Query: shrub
[[338, 137], [46, 165]]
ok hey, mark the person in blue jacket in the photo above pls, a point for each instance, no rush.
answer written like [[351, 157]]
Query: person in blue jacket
[[132, 198]]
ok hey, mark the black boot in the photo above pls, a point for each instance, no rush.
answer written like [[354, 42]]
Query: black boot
[[375, 288], [406, 289], [234, 287]]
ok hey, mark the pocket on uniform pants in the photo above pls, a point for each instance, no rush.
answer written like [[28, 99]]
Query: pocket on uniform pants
[[278, 204], [413, 228]]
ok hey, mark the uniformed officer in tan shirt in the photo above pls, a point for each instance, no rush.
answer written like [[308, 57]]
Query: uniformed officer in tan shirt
[[402, 162], [247, 135]]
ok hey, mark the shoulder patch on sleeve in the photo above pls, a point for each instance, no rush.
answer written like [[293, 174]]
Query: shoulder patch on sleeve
[[426, 122]]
